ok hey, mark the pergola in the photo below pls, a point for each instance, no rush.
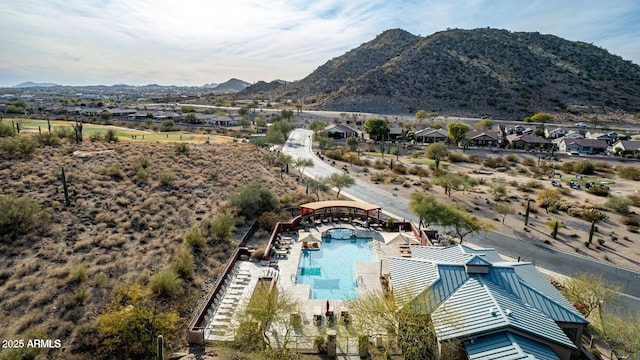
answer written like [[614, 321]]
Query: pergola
[[338, 207]]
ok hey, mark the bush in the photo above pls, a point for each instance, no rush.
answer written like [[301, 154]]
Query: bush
[[512, 158], [618, 204], [268, 220], [253, 199], [630, 220], [183, 264], [48, 139], [21, 215], [194, 238], [457, 157], [222, 227], [182, 148], [399, 169], [496, 162], [166, 178], [528, 161], [7, 129], [598, 191], [166, 283], [167, 125], [584, 167], [96, 136], [629, 172], [20, 145], [111, 136], [114, 171], [79, 273]]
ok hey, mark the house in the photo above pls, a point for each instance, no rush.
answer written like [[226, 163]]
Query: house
[[340, 131], [583, 146], [554, 133], [518, 130], [601, 136], [483, 138], [430, 135], [573, 134], [396, 133], [492, 306], [529, 142], [626, 146]]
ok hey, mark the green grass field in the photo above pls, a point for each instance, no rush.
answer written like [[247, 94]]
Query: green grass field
[[31, 125]]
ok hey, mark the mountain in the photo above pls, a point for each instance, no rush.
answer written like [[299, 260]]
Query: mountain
[[28, 84], [210, 85], [230, 86], [497, 73]]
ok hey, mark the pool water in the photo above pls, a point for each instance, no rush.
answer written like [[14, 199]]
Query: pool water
[[330, 270]]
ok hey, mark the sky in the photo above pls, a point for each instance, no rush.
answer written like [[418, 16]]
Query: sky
[[193, 42]]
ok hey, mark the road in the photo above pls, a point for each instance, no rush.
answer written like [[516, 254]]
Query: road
[[299, 146]]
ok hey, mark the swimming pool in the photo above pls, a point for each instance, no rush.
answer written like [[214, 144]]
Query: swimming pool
[[330, 270]]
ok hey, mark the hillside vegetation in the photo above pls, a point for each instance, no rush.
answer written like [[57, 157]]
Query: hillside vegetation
[[496, 73], [148, 226]]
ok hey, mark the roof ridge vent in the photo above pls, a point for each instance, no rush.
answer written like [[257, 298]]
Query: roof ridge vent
[[508, 312]]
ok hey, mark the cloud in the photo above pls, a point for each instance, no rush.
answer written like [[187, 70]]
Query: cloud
[[197, 41]]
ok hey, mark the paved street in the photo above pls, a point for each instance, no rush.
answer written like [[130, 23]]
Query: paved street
[[299, 146]]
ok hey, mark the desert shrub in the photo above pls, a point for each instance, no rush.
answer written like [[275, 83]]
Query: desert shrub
[[584, 167], [18, 146], [81, 293], [399, 169], [257, 254], [634, 199], [496, 162], [79, 273], [194, 238], [529, 185], [166, 178], [268, 220], [181, 148], [7, 129], [512, 158], [64, 133], [166, 283], [142, 174], [456, 157], [130, 334], [111, 136], [618, 204], [21, 215], [629, 172], [379, 164], [167, 125], [183, 263], [96, 136], [602, 167], [598, 191], [114, 171], [48, 139], [253, 199], [630, 220], [528, 161], [221, 228], [378, 176], [141, 162], [418, 171]]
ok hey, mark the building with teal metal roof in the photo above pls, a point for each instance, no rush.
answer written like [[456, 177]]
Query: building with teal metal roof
[[473, 295]]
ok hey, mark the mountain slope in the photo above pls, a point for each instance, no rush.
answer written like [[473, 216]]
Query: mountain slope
[[498, 73]]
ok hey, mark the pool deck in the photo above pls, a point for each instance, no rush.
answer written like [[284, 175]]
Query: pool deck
[[239, 287]]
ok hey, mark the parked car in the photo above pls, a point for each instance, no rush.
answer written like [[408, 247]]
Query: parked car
[[581, 125]]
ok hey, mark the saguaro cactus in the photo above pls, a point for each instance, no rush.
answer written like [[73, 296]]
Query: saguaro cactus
[[160, 354]]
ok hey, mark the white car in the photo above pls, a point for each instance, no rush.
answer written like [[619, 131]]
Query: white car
[[581, 125]]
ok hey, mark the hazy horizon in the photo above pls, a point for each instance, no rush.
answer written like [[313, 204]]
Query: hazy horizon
[[193, 42]]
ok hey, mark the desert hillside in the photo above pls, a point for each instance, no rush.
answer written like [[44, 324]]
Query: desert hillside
[[131, 205]]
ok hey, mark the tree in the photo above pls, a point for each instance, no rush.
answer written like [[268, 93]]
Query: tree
[[191, 117], [622, 333], [454, 182], [352, 143], [315, 126], [316, 186], [590, 291], [436, 151], [286, 114], [420, 116], [271, 308], [260, 123], [341, 181], [498, 189], [253, 199], [540, 117], [428, 210], [302, 164], [464, 223], [457, 132], [503, 209], [484, 125], [548, 199], [244, 122], [376, 128], [132, 322]]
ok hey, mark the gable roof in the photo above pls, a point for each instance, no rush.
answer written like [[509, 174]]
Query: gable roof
[[508, 346], [632, 145], [431, 132], [594, 143], [340, 128], [465, 303]]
